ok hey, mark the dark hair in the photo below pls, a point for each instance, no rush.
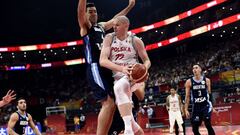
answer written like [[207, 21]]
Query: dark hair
[[198, 65], [20, 98], [90, 5]]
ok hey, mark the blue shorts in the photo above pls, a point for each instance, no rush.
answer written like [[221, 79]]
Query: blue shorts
[[201, 113], [100, 80]]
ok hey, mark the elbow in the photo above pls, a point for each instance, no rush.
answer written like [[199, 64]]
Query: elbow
[[102, 62]]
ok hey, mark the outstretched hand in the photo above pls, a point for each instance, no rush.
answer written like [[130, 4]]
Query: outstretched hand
[[9, 96]]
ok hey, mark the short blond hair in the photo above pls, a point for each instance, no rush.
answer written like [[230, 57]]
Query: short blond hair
[[123, 19]]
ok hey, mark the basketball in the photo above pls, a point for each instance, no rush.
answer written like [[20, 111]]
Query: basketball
[[139, 73]]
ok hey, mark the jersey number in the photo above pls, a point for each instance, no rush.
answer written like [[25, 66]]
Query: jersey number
[[119, 56], [199, 93]]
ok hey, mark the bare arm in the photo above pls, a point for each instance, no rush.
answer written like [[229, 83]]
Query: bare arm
[[210, 92], [109, 24], [8, 98], [180, 103], [104, 57], [142, 52], [187, 97], [105, 53], [167, 103], [82, 20], [11, 123], [208, 85], [32, 125]]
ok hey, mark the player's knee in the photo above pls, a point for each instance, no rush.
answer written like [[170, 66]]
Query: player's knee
[[140, 94], [121, 91], [208, 123], [109, 103]]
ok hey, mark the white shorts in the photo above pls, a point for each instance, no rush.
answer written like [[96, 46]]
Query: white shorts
[[175, 116], [134, 86]]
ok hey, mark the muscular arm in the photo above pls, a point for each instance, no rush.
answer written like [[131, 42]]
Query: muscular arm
[[142, 52], [109, 24], [32, 125], [187, 97], [208, 85], [11, 123], [82, 20], [105, 53], [180, 103]]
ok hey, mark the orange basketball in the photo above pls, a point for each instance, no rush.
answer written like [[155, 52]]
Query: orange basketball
[[139, 73]]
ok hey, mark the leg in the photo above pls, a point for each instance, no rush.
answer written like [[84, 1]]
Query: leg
[[179, 120], [208, 125], [136, 128], [123, 98], [171, 121], [140, 92], [105, 116], [207, 121], [195, 127]]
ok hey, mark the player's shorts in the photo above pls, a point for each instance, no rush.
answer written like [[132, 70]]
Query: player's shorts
[[201, 113], [175, 116], [100, 81], [134, 86]]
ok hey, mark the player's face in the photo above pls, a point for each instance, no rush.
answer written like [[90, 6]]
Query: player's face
[[22, 105], [119, 27], [92, 15], [197, 70], [172, 91]]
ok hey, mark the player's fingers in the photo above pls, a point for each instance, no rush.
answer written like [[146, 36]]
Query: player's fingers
[[12, 91], [13, 96], [8, 92]]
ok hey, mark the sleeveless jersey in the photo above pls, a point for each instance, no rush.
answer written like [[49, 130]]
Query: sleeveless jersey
[[123, 53], [174, 103], [21, 124], [199, 92], [93, 43]]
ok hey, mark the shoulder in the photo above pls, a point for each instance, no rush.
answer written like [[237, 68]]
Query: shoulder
[[14, 116], [29, 116], [136, 39], [109, 37], [188, 82], [207, 79]]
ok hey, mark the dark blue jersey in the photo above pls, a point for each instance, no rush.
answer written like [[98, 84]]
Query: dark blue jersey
[[199, 92], [93, 43], [21, 124]]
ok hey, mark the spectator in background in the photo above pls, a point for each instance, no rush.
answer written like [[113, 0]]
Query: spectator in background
[[76, 121], [149, 111]]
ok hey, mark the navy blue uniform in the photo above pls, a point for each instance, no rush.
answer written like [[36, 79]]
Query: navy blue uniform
[[202, 107], [21, 124], [99, 78]]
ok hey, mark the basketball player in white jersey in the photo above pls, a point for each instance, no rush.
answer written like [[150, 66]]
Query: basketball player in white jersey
[[174, 107], [120, 51]]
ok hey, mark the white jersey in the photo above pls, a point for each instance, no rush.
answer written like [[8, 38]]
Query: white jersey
[[123, 53], [174, 103]]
